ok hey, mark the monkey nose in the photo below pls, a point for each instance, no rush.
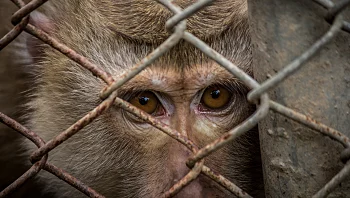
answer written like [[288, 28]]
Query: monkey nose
[[178, 169]]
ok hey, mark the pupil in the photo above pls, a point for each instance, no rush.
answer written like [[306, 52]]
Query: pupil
[[215, 94], [143, 100]]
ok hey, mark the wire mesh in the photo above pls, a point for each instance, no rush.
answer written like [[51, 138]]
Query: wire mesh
[[257, 95]]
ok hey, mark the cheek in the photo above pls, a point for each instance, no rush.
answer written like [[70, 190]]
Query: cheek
[[147, 136], [205, 127], [205, 130]]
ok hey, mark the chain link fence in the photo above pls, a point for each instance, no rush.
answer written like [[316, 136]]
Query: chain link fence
[[177, 24]]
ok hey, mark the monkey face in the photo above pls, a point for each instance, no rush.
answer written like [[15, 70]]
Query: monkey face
[[202, 102]]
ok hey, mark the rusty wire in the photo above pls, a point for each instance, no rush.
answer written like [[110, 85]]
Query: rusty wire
[[176, 24]]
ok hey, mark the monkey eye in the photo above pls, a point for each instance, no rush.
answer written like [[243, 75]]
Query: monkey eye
[[215, 97], [148, 102]]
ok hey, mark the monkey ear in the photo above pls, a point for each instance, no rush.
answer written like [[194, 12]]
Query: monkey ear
[[42, 22]]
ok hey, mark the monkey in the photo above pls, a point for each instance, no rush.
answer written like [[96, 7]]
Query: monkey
[[118, 154]]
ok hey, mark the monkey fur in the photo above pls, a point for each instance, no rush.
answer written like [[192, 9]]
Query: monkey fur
[[117, 154]]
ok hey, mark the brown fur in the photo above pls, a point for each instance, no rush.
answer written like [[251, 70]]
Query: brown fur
[[116, 155]]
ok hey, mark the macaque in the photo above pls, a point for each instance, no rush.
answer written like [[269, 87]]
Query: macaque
[[118, 154]]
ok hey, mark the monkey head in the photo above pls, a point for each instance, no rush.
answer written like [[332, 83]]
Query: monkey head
[[118, 154]]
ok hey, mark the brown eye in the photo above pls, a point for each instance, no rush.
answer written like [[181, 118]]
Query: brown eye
[[215, 97], [146, 101]]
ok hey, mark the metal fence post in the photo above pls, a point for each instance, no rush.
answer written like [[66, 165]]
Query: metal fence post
[[298, 162]]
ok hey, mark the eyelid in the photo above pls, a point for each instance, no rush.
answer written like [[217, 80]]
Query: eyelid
[[234, 86], [131, 94]]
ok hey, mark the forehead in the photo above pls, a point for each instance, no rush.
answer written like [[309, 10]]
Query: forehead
[[184, 67], [168, 78]]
